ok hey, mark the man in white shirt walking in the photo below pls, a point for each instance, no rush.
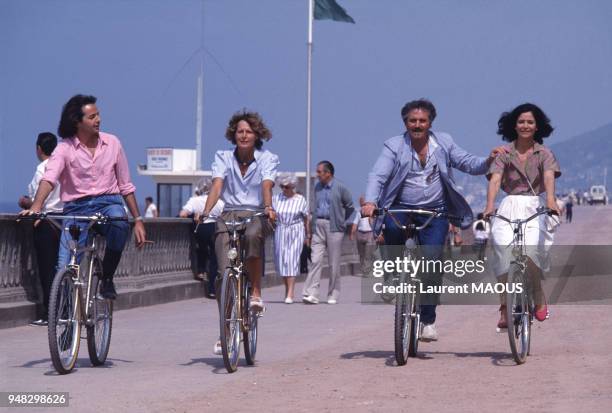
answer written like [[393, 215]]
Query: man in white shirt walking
[[46, 236]]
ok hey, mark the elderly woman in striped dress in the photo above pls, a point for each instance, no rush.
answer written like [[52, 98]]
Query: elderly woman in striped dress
[[292, 231]]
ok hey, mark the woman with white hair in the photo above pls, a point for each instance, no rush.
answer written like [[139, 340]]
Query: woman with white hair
[[205, 235], [292, 231]]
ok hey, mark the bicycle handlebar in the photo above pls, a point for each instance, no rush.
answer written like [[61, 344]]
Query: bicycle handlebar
[[95, 217], [428, 213], [541, 211], [242, 221]]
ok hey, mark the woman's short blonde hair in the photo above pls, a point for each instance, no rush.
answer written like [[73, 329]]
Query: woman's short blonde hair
[[287, 178]]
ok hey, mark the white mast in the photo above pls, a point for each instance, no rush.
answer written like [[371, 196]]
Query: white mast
[[200, 98], [309, 100]]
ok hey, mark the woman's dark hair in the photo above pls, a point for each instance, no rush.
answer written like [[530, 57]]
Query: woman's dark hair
[[255, 122], [506, 126], [480, 216], [328, 166], [480, 227], [422, 104], [47, 142], [72, 113]]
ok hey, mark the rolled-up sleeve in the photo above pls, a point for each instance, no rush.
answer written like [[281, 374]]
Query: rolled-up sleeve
[[550, 163], [55, 165], [380, 174], [219, 166], [122, 171], [498, 165], [269, 167]]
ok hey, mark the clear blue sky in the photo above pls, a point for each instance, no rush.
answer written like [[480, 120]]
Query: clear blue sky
[[473, 59]]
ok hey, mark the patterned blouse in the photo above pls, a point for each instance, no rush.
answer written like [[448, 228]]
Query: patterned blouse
[[516, 177]]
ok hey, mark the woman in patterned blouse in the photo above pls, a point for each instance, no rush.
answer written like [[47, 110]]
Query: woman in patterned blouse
[[527, 173]]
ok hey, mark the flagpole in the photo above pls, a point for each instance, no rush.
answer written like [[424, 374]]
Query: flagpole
[[309, 100], [200, 95]]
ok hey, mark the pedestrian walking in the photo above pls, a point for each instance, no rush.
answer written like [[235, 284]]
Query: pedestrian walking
[[366, 242], [292, 231], [334, 209]]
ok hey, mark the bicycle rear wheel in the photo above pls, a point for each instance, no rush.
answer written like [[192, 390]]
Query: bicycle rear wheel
[[64, 329], [100, 321], [249, 334], [517, 307], [229, 321]]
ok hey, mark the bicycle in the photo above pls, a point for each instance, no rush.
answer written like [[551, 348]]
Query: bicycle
[[235, 315], [69, 308], [407, 297], [520, 305]]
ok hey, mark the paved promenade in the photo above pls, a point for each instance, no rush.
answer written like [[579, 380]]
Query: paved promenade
[[332, 358]]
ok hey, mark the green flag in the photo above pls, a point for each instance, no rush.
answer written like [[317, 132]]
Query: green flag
[[330, 10]]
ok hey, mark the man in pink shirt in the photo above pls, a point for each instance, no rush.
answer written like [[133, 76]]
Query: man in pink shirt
[[93, 172]]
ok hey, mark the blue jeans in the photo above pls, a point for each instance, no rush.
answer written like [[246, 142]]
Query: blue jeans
[[431, 240], [116, 233]]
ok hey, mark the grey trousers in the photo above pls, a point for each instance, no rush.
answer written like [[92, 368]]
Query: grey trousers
[[366, 247], [323, 239]]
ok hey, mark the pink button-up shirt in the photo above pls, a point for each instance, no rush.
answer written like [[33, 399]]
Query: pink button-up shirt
[[80, 174]]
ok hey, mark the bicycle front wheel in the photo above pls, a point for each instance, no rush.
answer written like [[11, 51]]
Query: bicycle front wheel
[[64, 329], [100, 323], [517, 308], [406, 325], [229, 321], [249, 335]]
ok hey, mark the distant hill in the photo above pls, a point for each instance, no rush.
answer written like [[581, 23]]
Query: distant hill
[[583, 159]]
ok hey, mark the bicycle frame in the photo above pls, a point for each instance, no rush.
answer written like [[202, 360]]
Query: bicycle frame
[[89, 252], [407, 304], [520, 315]]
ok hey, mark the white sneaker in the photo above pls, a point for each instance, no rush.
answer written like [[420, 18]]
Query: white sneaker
[[429, 333], [332, 301], [310, 299], [217, 348], [288, 300]]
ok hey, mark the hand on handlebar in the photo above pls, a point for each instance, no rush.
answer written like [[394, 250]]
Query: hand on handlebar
[[367, 210], [271, 215], [554, 208], [489, 210]]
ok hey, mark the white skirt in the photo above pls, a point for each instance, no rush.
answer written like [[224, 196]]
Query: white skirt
[[538, 233]]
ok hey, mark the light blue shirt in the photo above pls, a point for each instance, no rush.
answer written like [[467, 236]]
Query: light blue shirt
[[389, 173], [322, 195], [422, 186], [244, 191]]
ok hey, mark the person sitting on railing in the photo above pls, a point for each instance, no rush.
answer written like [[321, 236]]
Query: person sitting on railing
[[46, 236], [243, 178], [93, 171], [205, 234], [525, 171]]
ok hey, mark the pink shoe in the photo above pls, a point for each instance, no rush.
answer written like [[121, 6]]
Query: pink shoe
[[542, 313]]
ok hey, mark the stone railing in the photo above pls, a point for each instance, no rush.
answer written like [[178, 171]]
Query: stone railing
[[169, 259]]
